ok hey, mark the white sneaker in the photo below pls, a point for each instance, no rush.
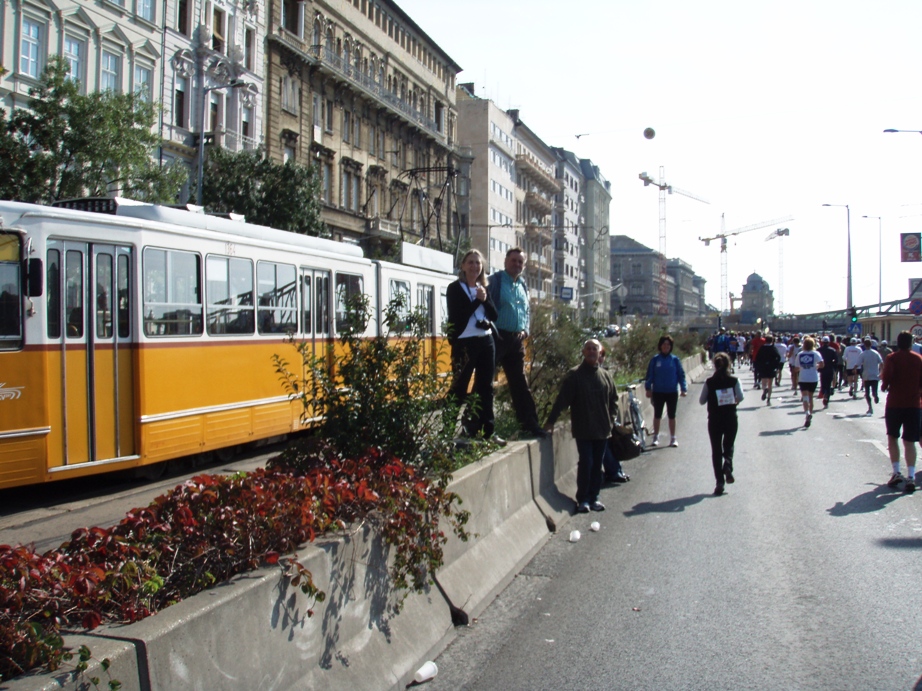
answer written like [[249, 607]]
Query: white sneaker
[[673, 443], [655, 441]]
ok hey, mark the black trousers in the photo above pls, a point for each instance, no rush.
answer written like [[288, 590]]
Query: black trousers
[[475, 357], [510, 355], [722, 431]]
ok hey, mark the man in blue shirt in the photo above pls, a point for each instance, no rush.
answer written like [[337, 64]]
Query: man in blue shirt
[[509, 293]]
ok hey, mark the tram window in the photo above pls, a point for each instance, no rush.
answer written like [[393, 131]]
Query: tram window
[[103, 299], [306, 303], [53, 301], [401, 290], [277, 284], [172, 293], [425, 299], [73, 292], [443, 305], [229, 283], [322, 313], [347, 287], [10, 306], [124, 296]]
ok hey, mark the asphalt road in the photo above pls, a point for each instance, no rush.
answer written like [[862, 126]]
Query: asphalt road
[[804, 575]]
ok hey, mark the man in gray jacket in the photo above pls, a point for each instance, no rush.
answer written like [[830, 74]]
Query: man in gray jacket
[[589, 392]]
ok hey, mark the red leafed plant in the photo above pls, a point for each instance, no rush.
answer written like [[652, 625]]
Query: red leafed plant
[[204, 532]]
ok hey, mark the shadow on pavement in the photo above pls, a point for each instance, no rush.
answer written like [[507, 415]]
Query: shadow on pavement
[[670, 506], [779, 432], [901, 543], [868, 502]]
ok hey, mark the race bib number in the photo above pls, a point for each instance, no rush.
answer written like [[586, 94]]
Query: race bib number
[[725, 397]]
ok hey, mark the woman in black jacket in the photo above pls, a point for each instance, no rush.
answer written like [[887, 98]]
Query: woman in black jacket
[[722, 393], [767, 364], [471, 314]]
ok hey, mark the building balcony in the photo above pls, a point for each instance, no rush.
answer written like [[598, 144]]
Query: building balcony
[[540, 233], [538, 174], [378, 227], [539, 202], [328, 60]]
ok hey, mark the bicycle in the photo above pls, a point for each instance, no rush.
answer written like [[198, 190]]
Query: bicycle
[[636, 414]]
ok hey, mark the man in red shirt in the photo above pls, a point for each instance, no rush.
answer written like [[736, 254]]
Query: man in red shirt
[[902, 380]]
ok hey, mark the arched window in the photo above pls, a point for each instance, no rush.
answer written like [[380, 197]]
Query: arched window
[[347, 54], [330, 45], [318, 32]]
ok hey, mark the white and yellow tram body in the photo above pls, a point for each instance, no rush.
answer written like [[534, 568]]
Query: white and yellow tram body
[[147, 333]]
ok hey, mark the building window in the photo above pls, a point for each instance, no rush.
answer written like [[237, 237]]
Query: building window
[[216, 111], [345, 190], [328, 124], [146, 9], [246, 126], [347, 126], [328, 182], [249, 48], [289, 95], [142, 85], [356, 130], [290, 16], [356, 189], [110, 77], [218, 30], [30, 48], [182, 17], [372, 139], [75, 55], [289, 153], [318, 110], [180, 102]]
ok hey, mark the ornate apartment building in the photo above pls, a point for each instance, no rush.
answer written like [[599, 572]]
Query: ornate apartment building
[[109, 45], [360, 90], [597, 235], [213, 76], [569, 263]]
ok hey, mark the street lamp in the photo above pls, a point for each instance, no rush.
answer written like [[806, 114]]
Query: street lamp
[[880, 261], [909, 131], [233, 84], [848, 220]]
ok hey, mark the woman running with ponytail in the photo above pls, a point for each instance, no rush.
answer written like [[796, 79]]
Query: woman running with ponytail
[[722, 393]]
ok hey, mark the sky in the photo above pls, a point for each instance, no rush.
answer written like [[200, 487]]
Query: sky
[[765, 110]]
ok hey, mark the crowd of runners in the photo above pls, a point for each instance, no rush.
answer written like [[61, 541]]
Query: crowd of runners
[[820, 365]]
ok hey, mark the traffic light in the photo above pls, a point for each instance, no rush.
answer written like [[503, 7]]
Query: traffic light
[[825, 325], [622, 309], [854, 315]]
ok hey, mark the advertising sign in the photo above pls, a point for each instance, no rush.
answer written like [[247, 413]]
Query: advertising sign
[[910, 247]]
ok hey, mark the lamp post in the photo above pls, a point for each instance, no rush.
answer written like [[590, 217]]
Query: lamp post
[[880, 263], [848, 220], [233, 84]]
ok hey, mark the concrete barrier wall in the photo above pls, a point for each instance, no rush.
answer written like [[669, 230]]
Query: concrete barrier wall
[[254, 632]]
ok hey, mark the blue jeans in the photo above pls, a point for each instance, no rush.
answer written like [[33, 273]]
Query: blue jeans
[[589, 469]]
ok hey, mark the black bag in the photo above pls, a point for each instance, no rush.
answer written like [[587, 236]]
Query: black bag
[[623, 445]]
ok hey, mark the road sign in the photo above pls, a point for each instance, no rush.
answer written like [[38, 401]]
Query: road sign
[[621, 291], [915, 306], [916, 330], [566, 294], [854, 328]]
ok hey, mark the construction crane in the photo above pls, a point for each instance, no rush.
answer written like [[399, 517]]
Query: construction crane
[[664, 189], [722, 236], [780, 233]]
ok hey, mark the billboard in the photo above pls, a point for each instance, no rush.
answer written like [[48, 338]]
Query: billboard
[[910, 247]]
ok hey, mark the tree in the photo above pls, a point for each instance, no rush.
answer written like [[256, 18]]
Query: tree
[[284, 196], [75, 145]]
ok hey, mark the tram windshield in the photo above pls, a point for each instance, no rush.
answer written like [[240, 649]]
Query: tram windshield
[[10, 292]]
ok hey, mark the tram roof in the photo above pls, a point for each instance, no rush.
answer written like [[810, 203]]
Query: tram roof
[[130, 208]]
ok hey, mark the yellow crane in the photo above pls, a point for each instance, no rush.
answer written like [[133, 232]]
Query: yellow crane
[[722, 236]]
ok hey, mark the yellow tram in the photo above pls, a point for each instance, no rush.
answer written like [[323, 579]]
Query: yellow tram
[[136, 333]]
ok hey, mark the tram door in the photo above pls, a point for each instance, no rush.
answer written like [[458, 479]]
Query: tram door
[[90, 335], [316, 311]]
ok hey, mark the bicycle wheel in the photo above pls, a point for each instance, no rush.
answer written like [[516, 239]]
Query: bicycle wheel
[[637, 424]]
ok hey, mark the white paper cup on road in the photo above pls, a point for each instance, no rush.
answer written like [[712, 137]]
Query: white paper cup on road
[[575, 536], [426, 672], [595, 527]]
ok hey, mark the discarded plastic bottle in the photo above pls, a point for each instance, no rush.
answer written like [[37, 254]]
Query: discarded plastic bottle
[[426, 672]]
